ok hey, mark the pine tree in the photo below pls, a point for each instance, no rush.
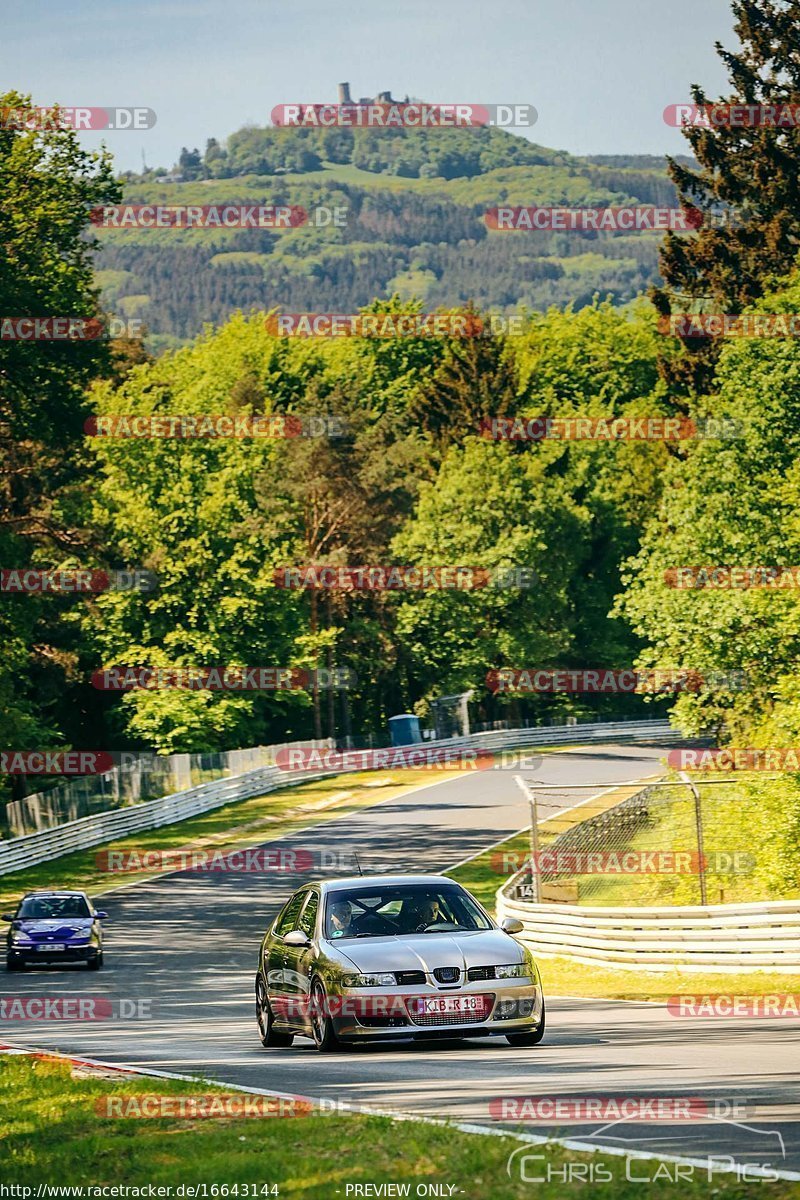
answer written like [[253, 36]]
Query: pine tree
[[747, 188]]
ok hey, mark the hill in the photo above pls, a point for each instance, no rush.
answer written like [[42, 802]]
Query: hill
[[415, 204]]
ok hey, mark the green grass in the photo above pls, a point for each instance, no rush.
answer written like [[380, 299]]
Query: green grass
[[565, 977], [51, 1132]]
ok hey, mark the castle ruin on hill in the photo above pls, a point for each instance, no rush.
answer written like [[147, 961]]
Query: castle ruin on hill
[[381, 98]]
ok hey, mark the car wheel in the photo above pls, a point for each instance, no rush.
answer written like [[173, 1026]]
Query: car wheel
[[94, 964], [528, 1039], [13, 964], [266, 1030], [325, 1038]]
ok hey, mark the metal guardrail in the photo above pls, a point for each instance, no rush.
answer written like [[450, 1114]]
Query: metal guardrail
[[94, 830], [719, 937], [137, 778]]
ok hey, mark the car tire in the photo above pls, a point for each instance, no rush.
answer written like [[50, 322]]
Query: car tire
[[266, 1030], [94, 964], [528, 1039], [13, 964], [325, 1038]]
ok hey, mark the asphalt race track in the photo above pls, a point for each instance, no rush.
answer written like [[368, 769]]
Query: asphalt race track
[[186, 946]]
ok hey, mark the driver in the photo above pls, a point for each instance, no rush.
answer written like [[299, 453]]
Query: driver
[[428, 912], [341, 917]]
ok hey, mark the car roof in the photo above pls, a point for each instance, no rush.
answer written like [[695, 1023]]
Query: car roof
[[351, 881], [44, 892]]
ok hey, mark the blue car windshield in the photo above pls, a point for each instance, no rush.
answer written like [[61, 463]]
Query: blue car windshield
[[370, 911], [47, 908]]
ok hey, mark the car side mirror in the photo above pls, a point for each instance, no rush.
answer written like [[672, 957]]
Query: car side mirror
[[6, 917], [511, 925], [297, 938], [101, 916]]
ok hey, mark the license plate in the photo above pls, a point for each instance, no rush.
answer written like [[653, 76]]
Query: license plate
[[50, 947], [451, 1004]]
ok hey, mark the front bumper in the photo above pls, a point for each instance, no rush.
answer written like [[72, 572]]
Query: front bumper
[[501, 1007], [70, 954]]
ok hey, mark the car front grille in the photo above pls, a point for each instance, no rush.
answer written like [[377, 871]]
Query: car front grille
[[450, 1018], [409, 977], [447, 974], [477, 973]]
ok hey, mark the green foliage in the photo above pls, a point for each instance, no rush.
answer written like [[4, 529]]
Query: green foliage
[[48, 184], [732, 503]]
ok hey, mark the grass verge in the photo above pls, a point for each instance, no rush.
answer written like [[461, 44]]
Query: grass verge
[[52, 1133]]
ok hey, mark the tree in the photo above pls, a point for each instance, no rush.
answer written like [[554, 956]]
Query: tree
[[732, 503], [747, 187], [190, 163], [49, 185]]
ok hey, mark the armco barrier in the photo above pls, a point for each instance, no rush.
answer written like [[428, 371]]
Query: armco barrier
[[19, 853], [718, 938]]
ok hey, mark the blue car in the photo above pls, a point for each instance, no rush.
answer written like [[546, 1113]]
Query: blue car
[[54, 927]]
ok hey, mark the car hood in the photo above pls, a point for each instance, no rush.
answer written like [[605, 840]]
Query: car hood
[[425, 951], [62, 927]]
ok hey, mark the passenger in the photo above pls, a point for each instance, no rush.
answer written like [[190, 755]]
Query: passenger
[[341, 918]]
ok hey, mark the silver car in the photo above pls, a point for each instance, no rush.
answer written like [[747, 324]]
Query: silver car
[[394, 956]]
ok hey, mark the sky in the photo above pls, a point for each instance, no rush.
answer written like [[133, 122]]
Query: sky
[[599, 72]]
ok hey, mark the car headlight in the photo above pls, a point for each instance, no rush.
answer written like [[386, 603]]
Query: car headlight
[[385, 979], [513, 971], [20, 939]]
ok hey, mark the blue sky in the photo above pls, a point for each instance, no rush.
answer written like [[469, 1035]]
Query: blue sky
[[599, 72]]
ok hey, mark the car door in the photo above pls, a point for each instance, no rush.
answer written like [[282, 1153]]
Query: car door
[[275, 953], [298, 961]]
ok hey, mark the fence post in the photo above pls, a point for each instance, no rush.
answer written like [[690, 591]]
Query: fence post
[[698, 821], [535, 875]]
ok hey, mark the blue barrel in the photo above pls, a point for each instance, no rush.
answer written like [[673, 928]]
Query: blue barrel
[[404, 729]]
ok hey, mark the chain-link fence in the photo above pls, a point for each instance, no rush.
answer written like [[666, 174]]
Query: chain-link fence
[[669, 843]]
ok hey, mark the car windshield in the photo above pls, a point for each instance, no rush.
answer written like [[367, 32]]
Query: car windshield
[[397, 909], [45, 908]]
